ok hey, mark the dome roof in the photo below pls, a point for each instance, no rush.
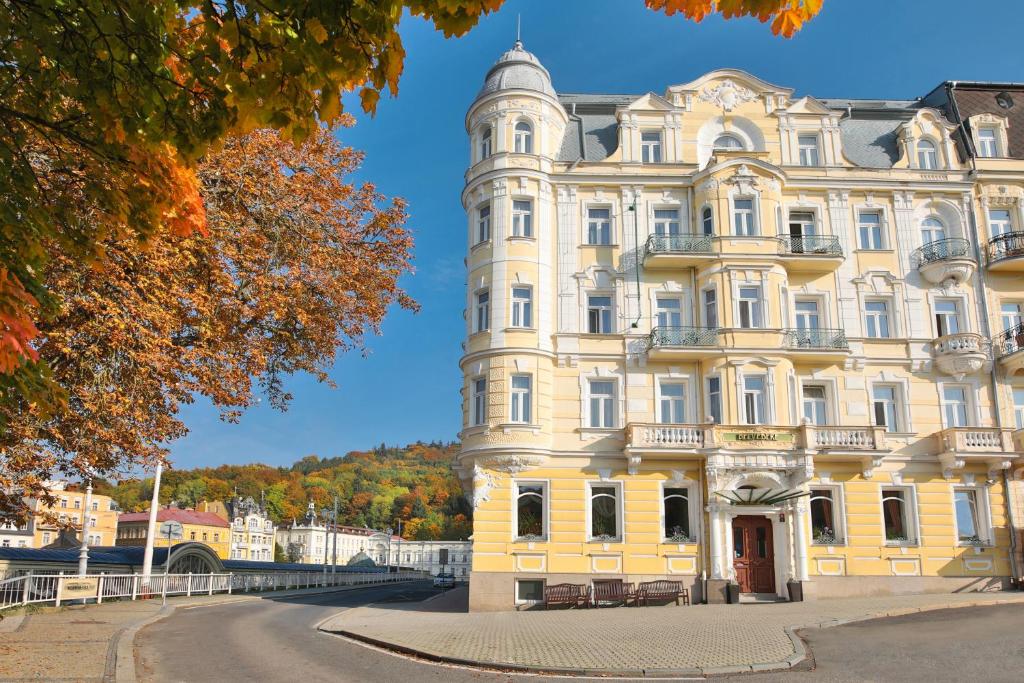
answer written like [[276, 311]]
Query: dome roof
[[517, 69]]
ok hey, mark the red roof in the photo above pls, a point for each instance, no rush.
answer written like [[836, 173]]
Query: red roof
[[176, 515]]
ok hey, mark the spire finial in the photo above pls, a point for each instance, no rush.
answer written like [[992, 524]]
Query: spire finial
[[519, 42]]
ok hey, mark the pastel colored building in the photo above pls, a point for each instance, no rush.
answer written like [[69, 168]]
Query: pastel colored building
[[252, 531], [725, 333], [202, 527], [70, 508]]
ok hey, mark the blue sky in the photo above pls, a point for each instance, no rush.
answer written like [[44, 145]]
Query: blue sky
[[407, 387]]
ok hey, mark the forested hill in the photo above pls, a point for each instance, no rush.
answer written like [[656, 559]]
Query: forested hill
[[414, 483]]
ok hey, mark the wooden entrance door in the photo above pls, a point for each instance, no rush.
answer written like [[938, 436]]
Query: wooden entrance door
[[753, 554]]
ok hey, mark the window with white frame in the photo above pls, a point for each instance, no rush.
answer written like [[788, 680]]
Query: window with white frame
[[755, 399], [605, 522], [669, 312], [522, 218], [932, 230], [869, 230], [886, 407], [714, 388], [955, 406], [602, 399], [707, 221], [529, 591], [750, 306], [485, 142], [522, 306], [483, 223], [947, 317], [521, 399], [727, 142], [530, 522], [523, 138], [479, 413], [599, 226], [808, 146], [971, 518], [599, 314], [1012, 314], [876, 319], [999, 222], [1018, 406], [815, 399], [650, 146], [709, 304], [671, 402], [675, 505], [807, 314], [927, 155], [898, 515], [482, 319], [988, 145], [801, 224], [666, 222], [826, 517], [743, 217]]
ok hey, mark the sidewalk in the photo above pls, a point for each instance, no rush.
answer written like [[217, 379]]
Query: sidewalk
[[635, 641]]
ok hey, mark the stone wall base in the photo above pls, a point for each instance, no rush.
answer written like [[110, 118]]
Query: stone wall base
[[495, 591], [867, 586], [717, 591]]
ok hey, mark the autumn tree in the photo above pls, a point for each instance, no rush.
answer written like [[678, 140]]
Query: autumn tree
[[296, 264]]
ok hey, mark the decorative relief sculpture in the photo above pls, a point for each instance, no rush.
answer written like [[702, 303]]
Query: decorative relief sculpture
[[727, 95]]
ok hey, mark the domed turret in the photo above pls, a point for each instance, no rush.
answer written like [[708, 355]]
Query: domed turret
[[517, 69]]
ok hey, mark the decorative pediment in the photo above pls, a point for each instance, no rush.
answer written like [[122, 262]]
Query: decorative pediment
[[809, 105], [740, 79], [650, 102], [726, 94]]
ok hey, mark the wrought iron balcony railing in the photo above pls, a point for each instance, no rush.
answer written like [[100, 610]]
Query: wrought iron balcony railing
[[941, 250], [1009, 341], [679, 244], [815, 338], [811, 245], [1008, 245], [684, 336]]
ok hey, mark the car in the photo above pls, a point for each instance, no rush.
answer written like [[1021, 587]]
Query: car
[[443, 580]]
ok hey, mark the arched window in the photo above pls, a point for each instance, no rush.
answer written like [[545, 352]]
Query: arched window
[[530, 510], [485, 142], [727, 141], [932, 230], [707, 221], [927, 158], [676, 502], [523, 138]]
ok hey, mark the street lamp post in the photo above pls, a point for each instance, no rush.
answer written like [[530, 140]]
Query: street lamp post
[[83, 552], [147, 557], [390, 532]]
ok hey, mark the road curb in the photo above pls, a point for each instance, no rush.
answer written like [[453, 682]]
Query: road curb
[[120, 667]]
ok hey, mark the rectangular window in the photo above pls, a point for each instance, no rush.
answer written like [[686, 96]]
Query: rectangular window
[[483, 224], [529, 590], [885, 407], [807, 317], [876, 319], [530, 523], [1013, 314], [522, 307], [869, 230], [801, 224], [669, 314], [599, 226], [999, 222], [604, 512], [602, 404], [650, 146], [808, 145], [743, 217], [672, 403], [1018, 406], [824, 517], [78, 504], [599, 314], [987, 146], [954, 406], [676, 506], [485, 142], [815, 404], [896, 516], [479, 400], [521, 399], [715, 399], [947, 317], [968, 519], [710, 308], [522, 218], [482, 319], [750, 307], [754, 399], [666, 222]]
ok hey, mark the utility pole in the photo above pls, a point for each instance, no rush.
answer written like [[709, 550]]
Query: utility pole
[[334, 553], [83, 553], [147, 558], [399, 563]]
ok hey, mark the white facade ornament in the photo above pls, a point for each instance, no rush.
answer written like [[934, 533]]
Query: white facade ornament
[[728, 95], [483, 483]]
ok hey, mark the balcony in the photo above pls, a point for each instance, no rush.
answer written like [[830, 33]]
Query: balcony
[[959, 446], [1006, 253], [816, 343], [810, 253], [675, 342], [944, 260], [960, 354], [1009, 348], [677, 251]]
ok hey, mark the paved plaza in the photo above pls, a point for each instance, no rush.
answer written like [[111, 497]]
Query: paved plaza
[[699, 639]]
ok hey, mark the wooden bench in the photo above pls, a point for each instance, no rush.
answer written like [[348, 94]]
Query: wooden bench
[[612, 591], [564, 594], [662, 590]]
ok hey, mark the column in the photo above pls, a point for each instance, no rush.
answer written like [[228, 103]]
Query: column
[[717, 565], [799, 541], [729, 550]]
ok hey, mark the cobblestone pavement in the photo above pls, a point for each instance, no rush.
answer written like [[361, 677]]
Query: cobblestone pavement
[[696, 639]]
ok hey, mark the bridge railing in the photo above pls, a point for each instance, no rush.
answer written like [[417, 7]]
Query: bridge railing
[[54, 589]]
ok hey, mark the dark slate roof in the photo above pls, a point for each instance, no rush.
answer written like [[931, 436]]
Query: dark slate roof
[[251, 565], [844, 103], [871, 142], [593, 130], [980, 98], [129, 555]]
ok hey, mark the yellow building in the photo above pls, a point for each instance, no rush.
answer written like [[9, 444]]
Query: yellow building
[[203, 527], [69, 507], [252, 530], [732, 334]]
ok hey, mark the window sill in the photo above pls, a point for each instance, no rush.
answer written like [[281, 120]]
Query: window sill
[[480, 245], [982, 546], [520, 329], [601, 335], [598, 430], [877, 251], [508, 427], [837, 544], [603, 541], [902, 544], [479, 333], [521, 238], [609, 246], [530, 540]]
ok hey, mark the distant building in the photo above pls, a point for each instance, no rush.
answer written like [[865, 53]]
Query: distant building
[[17, 536], [70, 508], [312, 541], [453, 557], [203, 527], [252, 530]]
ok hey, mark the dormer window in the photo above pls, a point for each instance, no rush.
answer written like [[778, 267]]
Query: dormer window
[[728, 143], [485, 142], [523, 142], [650, 146], [808, 145], [987, 142], [927, 157]]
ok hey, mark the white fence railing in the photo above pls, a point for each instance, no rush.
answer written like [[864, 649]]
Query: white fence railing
[[57, 588]]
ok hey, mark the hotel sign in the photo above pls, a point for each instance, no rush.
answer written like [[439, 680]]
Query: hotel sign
[[75, 588], [759, 437]]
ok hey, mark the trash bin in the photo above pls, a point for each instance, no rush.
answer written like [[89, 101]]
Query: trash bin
[[733, 593], [796, 591]]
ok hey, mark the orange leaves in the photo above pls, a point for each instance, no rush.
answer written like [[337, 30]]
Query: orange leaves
[[787, 16], [18, 308], [695, 10]]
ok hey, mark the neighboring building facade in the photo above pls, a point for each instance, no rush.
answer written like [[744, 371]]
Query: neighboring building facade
[[312, 540], [453, 557], [734, 333], [202, 527], [17, 536], [252, 530], [70, 507]]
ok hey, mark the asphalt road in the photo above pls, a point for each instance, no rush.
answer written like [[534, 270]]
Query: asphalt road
[[275, 640]]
